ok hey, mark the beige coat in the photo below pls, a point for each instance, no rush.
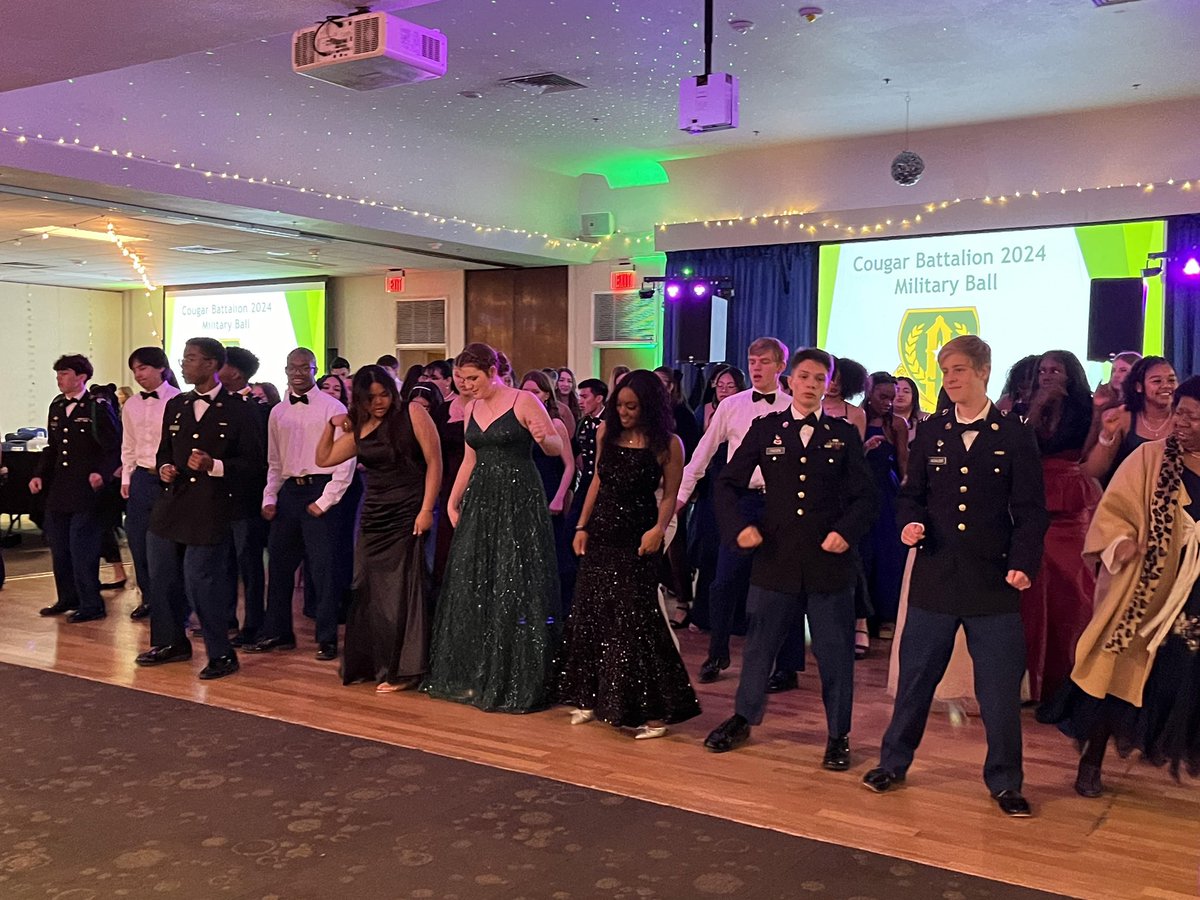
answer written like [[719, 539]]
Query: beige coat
[[1124, 511]]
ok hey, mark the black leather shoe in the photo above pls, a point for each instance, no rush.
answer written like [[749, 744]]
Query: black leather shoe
[[837, 754], [57, 609], [156, 656], [244, 639], [219, 667], [1087, 782], [141, 611], [1013, 804], [880, 780], [782, 681], [114, 586], [81, 616], [266, 645], [710, 669], [731, 733], [327, 652]]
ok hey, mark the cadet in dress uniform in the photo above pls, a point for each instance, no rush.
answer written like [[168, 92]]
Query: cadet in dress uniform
[[974, 507], [211, 449], [820, 501], [83, 451]]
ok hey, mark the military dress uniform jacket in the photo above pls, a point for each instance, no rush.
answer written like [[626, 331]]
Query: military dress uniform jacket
[[984, 512], [250, 497], [809, 492], [86, 441], [198, 508]]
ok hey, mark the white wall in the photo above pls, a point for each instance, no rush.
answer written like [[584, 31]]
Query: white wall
[[41, 323]]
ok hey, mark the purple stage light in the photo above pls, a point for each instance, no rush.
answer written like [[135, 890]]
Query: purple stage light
[[673, 289], [1191, 267], [700, 289]]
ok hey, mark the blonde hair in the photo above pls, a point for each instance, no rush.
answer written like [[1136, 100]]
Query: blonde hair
[[765, 345], [971, 346]]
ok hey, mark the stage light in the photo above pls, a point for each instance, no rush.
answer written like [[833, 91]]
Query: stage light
[[700, 289], [673, 289], [1191, 267]]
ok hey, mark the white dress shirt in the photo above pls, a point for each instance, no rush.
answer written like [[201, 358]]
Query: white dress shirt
[[969, 436], [293, 432], [729, 424], [806, 431], [199, 410], [141, 423], [72, 402]]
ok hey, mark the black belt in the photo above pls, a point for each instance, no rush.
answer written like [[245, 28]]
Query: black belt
[[148, 470], [301, 480]]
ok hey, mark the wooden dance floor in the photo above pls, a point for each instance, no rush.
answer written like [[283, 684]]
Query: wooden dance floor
[[1142, 839]]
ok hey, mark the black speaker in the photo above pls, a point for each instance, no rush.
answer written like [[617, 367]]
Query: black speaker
[[701, 324], [1116, 317]]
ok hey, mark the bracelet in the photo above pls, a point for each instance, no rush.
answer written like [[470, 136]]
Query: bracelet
[[1105, 443], [581, 528]]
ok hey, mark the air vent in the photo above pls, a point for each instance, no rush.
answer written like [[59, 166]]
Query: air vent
[[201, 249], [304, 51], [366, 34], [543, 83], [431, 48], [23, 265], [624, 319], [421, 323]]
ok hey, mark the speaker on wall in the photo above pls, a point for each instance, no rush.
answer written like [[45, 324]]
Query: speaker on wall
[[1116, 317], [701, 327]]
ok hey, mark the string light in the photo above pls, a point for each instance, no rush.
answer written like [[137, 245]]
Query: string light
[[782, 219], [281, 184], [135, 260]]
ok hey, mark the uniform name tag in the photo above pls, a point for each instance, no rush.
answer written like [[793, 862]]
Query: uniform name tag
[[172, 428], [776, 451], [937, 460], [998, 452]]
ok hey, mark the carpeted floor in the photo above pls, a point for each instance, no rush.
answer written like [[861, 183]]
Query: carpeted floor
[[109, 792]]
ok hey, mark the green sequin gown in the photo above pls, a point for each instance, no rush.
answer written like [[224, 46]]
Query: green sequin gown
[[496, 629]]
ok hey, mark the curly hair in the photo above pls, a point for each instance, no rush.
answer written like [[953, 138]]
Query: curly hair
[[1135, 400], [655, 416]]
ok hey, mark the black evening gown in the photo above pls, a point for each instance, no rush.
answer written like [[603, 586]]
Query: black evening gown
[[387, 628], [1165, 729], [618, 657], [496, 627]]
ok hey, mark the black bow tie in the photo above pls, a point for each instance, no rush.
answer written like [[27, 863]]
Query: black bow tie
[[810, 420], [755, 396], [293, 399], [146, 395], [977, 425], [201, 398]]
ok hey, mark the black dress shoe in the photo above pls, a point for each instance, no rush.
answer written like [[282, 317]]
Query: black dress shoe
[[327, 652], [244, 639], [266, 645], [219, 667], [731, 733], [1013, 804], [837, 754], [114, 586], [710, 669], [57, 609], [1087, 782], [156, 656], [141, 611], [782, 681], [880, 780], [81, 616]]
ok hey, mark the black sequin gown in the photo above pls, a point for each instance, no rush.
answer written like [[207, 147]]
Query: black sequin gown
[[387, 627], [618, 657], [1165, 729], [496, 629]]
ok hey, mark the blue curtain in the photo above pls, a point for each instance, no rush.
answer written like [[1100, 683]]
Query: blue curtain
[[775, 294], [1181, 312]]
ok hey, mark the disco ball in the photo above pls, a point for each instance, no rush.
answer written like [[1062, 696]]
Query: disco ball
[[907, 168]]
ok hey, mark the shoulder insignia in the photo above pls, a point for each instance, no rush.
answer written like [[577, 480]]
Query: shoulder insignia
[[945, 412], [1004, 412]]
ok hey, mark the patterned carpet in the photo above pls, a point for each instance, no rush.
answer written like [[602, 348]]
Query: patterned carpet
[[109, 792]]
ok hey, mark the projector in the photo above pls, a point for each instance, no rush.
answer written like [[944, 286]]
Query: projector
[[708, 103], [368, 51]]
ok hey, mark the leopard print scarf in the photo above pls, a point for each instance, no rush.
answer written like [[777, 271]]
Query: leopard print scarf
[[1162, 519]]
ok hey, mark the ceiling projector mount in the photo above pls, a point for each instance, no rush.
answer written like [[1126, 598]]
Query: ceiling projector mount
[[365, 51], [708, 102]]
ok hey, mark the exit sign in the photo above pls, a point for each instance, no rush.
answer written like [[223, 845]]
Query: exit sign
[[394, 283], [622, 280]]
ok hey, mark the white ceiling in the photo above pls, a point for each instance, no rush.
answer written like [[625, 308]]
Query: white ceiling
[[236, 105]]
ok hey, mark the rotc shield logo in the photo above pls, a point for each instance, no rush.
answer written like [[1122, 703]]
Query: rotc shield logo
[[923, 332]]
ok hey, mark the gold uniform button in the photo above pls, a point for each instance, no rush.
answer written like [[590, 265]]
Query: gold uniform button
[[804, 478], [961, 526], [799, 512], [962, 507], [964, 470], [800, 495], [195, 435], [64, 462], [962, 489], [804, 459], [997, 471], [193, 479]]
